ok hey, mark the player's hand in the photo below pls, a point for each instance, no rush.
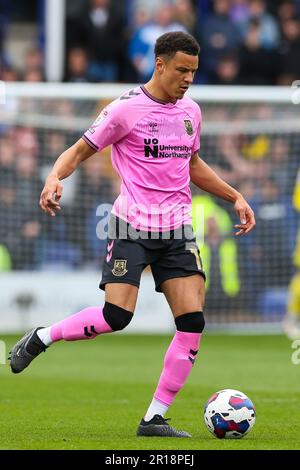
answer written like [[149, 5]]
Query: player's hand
[[50, 196], [246, 216]]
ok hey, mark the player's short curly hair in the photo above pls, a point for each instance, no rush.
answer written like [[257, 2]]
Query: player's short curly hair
[[170, 43]]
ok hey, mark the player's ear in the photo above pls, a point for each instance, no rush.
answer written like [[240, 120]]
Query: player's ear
[[159, 64]]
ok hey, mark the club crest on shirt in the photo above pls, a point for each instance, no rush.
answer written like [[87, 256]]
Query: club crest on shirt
[[188, 127], [98, 121], [119, 268]]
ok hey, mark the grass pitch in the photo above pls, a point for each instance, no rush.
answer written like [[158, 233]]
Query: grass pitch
[[92, 394]]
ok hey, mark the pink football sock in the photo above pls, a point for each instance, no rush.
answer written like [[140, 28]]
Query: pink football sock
[[86, 324], [178, 363]]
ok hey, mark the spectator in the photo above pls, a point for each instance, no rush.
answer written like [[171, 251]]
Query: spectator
[[227, 71], [8, 73], [227, 162], [287, 10], [5, 10], [77, 65], [282, 168], [291, 324], [219, 255], [141, 17], [184, 14], [259, 66], [26, 141], [100, 31], [7, 156], [141, 46], [220, 36], [74, 12], [54, 250], [268, 26], [86, 202], [29, 183], [35, 76], [33, 70], [54, 145], [240, 12], [28, 186], [290, 51], [34, 60], [5, 259], [10, 221], [276, 219]]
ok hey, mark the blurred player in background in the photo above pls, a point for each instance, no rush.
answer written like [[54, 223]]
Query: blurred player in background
[[291, 323], [154, 131]]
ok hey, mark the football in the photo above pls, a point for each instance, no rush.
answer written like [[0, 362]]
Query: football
[[229, 414]]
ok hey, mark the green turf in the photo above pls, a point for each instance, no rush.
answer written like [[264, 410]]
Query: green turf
[[92, 394]]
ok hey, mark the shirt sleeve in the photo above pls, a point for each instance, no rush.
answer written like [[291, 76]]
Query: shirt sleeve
[[110, 126], [196, 146]]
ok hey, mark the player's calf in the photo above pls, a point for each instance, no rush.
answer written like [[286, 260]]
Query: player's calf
[[86, 324], [180, 356], [179, 360], [89, 323]]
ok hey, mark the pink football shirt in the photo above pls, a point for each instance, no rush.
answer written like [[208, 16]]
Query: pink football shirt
[[151, 146]]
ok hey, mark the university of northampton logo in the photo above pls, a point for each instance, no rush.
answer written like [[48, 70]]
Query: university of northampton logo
[[188, 127], [119, 268]]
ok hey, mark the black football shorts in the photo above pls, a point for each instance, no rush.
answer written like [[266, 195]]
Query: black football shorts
[[169, 254]]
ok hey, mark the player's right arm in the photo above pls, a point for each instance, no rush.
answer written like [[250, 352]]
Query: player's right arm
[[64, 166], [113, 123]]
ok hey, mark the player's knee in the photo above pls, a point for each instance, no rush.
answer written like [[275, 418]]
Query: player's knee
[[116, 317], [192, 322]]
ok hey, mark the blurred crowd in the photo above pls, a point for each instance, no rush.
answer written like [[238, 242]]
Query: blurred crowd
[[261, 163], [253, 42], [32, 240], [242, 42], [255, 270]]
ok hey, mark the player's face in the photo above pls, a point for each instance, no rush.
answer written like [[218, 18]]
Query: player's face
[[177, 74]]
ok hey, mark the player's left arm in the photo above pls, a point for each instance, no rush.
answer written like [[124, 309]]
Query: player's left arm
[[205, 178]]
